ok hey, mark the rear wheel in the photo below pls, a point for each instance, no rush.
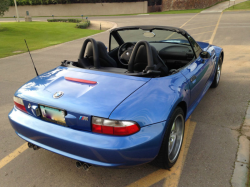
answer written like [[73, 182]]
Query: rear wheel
[[217, 74], [172, 141]]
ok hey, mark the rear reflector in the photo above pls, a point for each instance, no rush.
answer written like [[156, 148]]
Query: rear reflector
[[80, 80], [114, 127], [19, 104]]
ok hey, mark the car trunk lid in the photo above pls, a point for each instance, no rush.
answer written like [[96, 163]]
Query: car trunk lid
[[80, 99]]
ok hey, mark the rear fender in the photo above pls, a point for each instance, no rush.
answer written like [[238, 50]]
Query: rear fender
[[155, 101]]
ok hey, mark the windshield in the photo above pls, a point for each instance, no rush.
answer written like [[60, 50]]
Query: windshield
[[155, 36]]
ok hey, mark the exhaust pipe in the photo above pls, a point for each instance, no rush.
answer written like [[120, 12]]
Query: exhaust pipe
[[78, 164], [35, 147], [30, 145], [85, 166]]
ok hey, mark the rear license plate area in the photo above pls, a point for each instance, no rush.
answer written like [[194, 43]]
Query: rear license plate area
[[53, 115]]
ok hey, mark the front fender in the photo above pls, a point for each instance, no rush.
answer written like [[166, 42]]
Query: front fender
[[207, 47], [219, 52], [155, 101]]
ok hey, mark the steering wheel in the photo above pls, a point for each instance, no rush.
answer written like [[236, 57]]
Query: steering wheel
[[124, 52]]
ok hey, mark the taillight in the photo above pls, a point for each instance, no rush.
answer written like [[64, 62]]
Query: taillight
[[19, 104], [114, 127]]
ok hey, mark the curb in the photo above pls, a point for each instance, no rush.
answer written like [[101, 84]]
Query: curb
[[240, 174]]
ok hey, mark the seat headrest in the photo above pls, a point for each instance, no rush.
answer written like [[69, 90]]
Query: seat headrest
[[89, 50], [105, 59], [141, 56]]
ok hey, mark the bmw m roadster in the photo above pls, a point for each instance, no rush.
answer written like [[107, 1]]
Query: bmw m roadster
[[120, 108]]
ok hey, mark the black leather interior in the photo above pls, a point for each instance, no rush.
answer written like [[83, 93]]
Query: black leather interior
[[104, 58], [160, 65], [176, 56], [140, 62]]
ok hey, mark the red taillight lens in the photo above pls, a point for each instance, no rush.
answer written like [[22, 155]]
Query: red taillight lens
[[19, 104], [114, 127], [97, 128]]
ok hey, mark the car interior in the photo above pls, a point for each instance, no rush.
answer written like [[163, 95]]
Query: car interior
[[143, 55]]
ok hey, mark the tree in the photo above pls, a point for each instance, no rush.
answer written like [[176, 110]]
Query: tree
[[4, 6]]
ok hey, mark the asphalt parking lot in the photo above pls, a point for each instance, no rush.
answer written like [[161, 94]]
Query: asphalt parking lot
[[211, 141]]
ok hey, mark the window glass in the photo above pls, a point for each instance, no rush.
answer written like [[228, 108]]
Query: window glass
[[135, 35], [196, 47], [113, 43]]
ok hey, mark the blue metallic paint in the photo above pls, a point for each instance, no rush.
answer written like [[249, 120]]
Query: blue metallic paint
[[79, 97], [149, 102], [97, 149]]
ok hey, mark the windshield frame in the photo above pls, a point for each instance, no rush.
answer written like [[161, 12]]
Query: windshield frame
[[119, 40]]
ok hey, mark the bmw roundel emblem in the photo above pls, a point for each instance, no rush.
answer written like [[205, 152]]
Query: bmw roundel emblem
[[58, 95]]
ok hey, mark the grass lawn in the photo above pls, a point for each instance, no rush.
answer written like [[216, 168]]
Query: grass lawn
[[37, 34], [240, 6]]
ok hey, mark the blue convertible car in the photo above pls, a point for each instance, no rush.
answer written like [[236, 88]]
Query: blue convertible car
[[119, 108]]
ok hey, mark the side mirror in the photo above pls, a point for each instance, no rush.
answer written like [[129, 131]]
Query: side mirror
[[204, 55]]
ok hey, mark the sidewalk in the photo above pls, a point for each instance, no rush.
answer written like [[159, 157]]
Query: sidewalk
[[222, 6]]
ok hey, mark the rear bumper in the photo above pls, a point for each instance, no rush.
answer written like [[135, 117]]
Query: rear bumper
[[95, 149]]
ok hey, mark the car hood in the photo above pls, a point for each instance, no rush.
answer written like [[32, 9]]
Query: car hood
[[98, 99]]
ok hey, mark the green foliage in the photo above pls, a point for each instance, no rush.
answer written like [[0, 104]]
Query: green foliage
[[74, 20], [46, 2], [4, 6], [83, 24], [65, 20]]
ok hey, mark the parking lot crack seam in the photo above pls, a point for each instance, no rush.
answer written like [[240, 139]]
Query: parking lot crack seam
[[240, 173]]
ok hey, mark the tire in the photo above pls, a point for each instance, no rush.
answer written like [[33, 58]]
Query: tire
[[168, 154], [217, 75]]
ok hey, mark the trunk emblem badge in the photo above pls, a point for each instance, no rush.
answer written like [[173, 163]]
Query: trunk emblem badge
[[58, 95], [84, 118]]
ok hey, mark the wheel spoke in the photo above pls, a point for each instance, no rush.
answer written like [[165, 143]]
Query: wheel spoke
[[218, 73], [175, 138], [173, 127]]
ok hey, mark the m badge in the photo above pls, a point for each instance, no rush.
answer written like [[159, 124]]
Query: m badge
[[84, 118]]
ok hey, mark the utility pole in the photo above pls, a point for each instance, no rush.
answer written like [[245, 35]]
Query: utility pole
[[16, 11]]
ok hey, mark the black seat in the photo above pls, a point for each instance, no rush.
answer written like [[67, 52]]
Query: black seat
[[141, 63], [104, 58]]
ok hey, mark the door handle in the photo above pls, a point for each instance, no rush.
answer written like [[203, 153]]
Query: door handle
[[193, 78]]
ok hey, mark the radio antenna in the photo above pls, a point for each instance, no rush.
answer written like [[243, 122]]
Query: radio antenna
[[31, 57]]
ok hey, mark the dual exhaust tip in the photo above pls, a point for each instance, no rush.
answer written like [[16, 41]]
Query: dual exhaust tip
[[79, 164], [35, 147], [85, 166]]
